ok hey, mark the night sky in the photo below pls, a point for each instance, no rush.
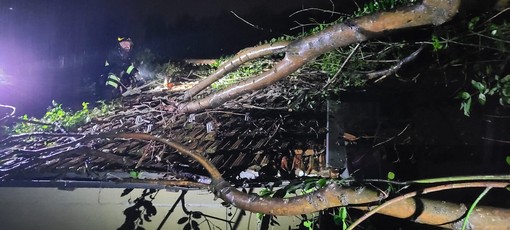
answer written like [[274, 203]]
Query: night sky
[[50, 49]]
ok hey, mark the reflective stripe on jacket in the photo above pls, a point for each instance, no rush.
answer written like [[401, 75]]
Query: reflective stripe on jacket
[[113, 80], [130, 69]]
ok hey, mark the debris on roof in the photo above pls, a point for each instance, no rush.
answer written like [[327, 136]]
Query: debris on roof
[[259, 137]]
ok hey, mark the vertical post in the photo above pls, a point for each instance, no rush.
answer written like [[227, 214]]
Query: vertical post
[[336, 154]]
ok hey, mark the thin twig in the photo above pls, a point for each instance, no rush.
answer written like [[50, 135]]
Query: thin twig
[[392, 138], [495, 140], [318, 9], [392, 70], [441, 179], [343, 65], [36, 134], [301, 25], [496, 15], [65, 145], [245, 21], [13, 111], [146, 152]]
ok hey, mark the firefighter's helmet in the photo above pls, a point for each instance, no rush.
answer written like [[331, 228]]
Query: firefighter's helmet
[[121, 39]]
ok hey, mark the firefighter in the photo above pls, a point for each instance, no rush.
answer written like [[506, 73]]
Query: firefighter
[[120, 71]]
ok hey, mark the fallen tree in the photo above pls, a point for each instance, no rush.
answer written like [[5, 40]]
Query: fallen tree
[[334, 194], [301, 51], [331, 193], [296, 54], [420, 210]]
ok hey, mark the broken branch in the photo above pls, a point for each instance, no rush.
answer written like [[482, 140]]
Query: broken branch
[[334, 195], [243, 56], [392, 70], [301, 51]]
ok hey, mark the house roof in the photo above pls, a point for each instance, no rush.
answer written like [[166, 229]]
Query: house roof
[[267, 135]]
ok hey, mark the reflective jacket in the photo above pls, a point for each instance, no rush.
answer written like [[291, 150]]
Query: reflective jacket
[[119, 68]]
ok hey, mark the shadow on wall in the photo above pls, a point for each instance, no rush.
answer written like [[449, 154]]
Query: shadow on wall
[[93, 208]]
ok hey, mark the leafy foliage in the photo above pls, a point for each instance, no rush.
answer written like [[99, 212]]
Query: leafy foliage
[[499, 87], [481, 49], [381, 5], [437, 44], [244, 72], [169, 69], [57, 118], [340, 218]]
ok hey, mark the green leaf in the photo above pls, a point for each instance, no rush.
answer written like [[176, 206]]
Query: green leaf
[[505, 79], [464, 95], [321, 183], [482, 99], [134, 174], [466, 107], [472, 23], [265, 192], [492, 91], [341, 216], [506, 90], [308, 224], [508, 160], [343, 213], [478, 85], [436, 44], [310, 190], [337, 219], [391, 175]]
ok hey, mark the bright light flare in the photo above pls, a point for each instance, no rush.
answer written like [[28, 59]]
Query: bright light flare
[[22, 81]]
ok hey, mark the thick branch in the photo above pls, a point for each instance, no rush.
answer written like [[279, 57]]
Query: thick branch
[[243, 56], [299, 52], [423, 211], [211, 169], [439, 218], [334, 195], [282, 69]]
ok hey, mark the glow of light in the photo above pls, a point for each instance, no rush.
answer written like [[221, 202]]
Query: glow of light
[[146, 73], [4, 78], [21, 79]]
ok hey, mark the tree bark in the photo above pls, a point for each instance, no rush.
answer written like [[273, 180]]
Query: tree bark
[[425, 211], [301, 51], [243, 56]]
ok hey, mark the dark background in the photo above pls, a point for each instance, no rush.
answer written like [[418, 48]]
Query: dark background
[[52, 49]]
